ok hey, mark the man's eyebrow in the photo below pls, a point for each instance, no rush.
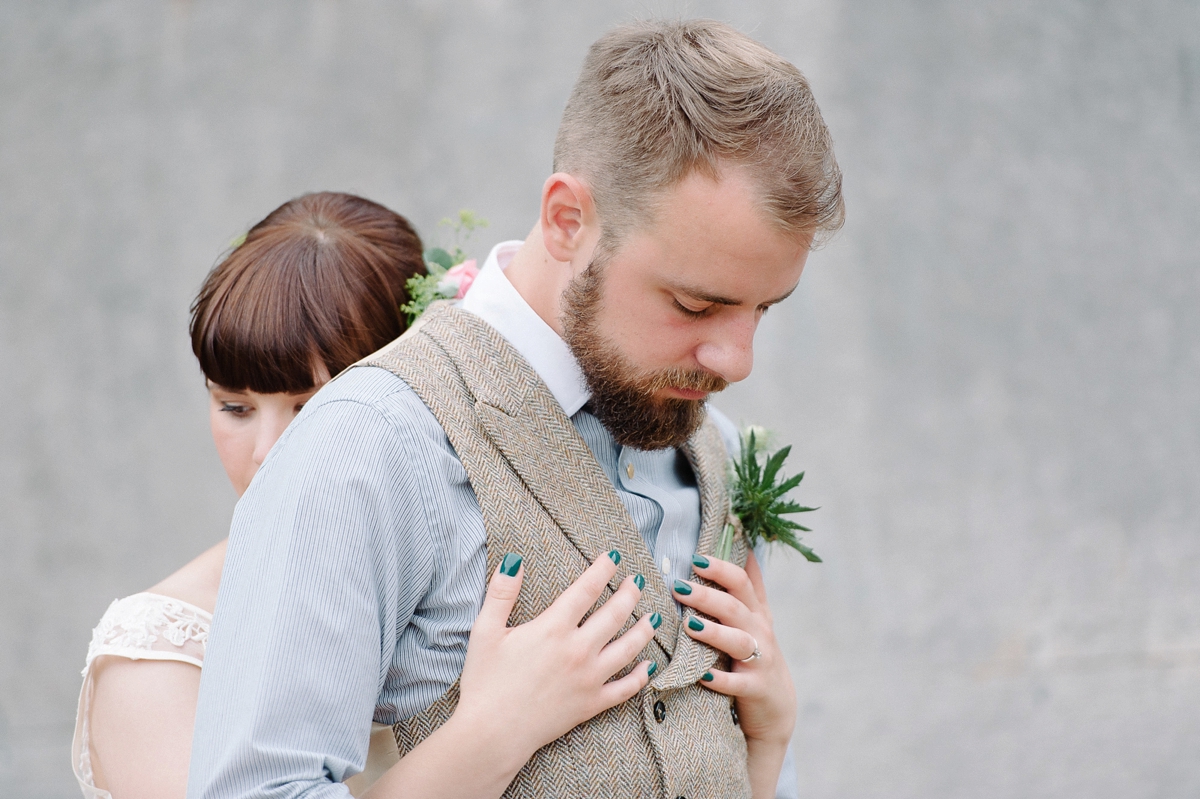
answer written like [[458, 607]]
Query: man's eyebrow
[[716, 299]]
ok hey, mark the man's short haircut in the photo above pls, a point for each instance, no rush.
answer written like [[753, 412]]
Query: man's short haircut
[[657, 100], [319, 281]]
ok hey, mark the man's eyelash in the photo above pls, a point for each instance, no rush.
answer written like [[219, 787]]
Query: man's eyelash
[[688, 311]]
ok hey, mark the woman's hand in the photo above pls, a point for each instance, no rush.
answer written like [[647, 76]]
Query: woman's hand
[[522, 687], [762, 687], [550, 674]]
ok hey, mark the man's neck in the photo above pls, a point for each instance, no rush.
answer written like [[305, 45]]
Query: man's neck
[[539, 279]]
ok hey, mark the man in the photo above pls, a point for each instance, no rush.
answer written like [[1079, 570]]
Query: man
[[558, 411]]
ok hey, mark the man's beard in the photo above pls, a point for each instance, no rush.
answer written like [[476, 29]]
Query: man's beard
[[623, 397]]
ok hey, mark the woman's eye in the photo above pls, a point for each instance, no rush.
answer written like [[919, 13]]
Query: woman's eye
[[235, 409], [299, 407]]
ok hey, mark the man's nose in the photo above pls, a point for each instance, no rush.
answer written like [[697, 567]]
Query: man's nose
[[729, 352]]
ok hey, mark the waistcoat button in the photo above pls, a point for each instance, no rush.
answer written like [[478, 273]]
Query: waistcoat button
[[660, 711], [733, 712]]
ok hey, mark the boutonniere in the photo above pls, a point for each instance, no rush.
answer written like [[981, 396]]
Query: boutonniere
[[758, 503], [449, 273]]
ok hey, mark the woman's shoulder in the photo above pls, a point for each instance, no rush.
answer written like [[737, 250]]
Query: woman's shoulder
[[197, 582]]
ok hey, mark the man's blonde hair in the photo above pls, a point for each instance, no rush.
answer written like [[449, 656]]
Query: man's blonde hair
[[656, 100]]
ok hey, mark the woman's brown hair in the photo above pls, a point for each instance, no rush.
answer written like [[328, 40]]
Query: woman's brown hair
[[320, 281]]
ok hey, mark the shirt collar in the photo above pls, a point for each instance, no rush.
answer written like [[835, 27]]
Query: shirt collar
[[493, 299]]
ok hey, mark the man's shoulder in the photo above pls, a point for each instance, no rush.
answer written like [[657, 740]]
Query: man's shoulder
[[367, 385], [365, 401], [371, 387], [366, 427]]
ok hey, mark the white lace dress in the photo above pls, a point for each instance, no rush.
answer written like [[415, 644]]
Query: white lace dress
[[155, 627]]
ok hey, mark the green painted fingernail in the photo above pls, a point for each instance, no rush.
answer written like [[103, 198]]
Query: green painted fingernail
[[510, 565], [706, 676], [615, 555], [695, 624], [682, 588], [653, 668], [655, 620], [639, 581], [699, 561]]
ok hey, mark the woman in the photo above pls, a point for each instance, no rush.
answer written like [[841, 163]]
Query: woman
[[314, 287]]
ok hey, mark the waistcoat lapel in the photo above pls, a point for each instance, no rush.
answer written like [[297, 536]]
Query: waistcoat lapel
[[705, 451]]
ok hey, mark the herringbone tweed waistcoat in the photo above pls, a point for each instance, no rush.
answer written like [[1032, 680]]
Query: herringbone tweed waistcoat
[[544, 495]]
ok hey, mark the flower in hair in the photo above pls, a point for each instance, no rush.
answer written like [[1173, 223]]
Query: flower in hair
[[458, 279], [448, 274]]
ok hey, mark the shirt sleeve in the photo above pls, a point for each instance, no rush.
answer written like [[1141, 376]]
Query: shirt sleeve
[[329, 555]]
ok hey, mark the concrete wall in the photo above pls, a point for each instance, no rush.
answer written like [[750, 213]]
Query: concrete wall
[[992, 376]]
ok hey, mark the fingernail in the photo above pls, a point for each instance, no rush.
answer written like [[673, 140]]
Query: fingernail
[[682, 588], [699, 561], [615, 555], [653, 668], [706, 676], [510, 565], [695, 624], [655, 620], [639, 581]]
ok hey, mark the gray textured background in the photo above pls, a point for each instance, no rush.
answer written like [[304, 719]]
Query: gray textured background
[[992, 375]]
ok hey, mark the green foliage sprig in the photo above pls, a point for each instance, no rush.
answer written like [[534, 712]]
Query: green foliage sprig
[[758, 501], [463, 227], [423, 290]]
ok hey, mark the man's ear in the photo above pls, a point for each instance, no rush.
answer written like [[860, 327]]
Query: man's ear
[[568, 222]]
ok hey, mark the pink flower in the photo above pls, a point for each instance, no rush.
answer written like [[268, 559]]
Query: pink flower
[[464, 275]]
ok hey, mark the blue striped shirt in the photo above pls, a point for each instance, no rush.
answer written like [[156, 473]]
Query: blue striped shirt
[[356, 567]]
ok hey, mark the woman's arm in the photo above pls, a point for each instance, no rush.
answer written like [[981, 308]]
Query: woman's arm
[[141, 726], [522, 687], [142, 711], [765, 696]]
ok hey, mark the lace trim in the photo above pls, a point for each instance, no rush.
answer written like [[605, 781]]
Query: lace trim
[[153, 627]]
